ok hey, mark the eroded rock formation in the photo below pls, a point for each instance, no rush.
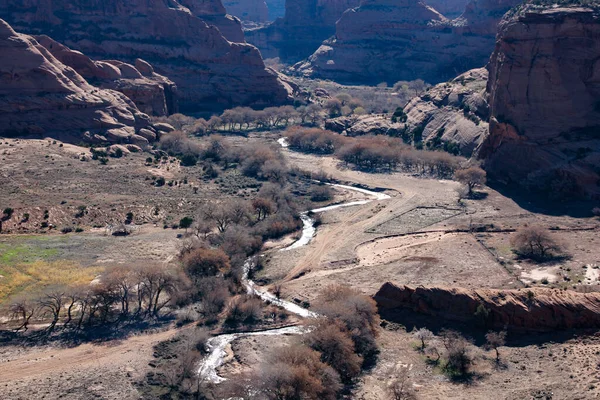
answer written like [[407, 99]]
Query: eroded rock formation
[[248, 10], [152, 93], [452, 115], [544, 97], [41, 96], [393, 40], [536, 309], [213, 12], [210, 71], [305, 25]]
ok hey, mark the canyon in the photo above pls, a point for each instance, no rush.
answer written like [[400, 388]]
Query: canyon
[[199, 48]]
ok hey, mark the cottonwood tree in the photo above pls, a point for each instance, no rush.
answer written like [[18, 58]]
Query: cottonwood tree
[[262, 207], [204, 262], [51, 302], [471, 177], [534, 242], [23, 309]]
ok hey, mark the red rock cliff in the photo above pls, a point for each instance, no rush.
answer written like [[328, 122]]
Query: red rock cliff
[[524, 309], [41, 96], [210, 71], [544, 97]]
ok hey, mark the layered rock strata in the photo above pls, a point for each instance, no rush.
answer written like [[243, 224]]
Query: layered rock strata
[[307, 23], [544, 99], [41, 96], [393, 40], [152, 93], [521, 310], [211, 72]]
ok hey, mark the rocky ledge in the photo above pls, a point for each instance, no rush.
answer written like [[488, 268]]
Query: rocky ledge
[[536, 309]]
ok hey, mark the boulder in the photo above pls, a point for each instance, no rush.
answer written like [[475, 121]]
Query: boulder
[[535, 309], [187, 41], [39, 95], [163, 127]]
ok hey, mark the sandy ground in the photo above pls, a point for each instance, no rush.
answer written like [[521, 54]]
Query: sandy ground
[[88, 371]]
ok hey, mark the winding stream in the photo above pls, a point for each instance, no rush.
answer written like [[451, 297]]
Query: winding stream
[[216, 345]]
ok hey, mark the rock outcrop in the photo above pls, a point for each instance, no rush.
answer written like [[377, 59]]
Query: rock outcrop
[[452, 115], [211, 72], [305, 25], [248, 10], [448, 8], [544, 98], [152, 93], [393, 40], [214, 13], [41, 96], [521, 310]]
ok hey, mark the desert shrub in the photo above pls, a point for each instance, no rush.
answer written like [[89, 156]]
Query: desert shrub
[[314, 140], [296, 372], [333, 341], [204, 262], [245, 309], [321, 193], [357, 312], [495, 340], [535, 243], [458, 354], [177, 143], [186, 222]]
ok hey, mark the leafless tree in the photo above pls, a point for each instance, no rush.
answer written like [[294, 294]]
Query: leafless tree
[[534, 242], [423, 335], [495, 340], [23, 309]]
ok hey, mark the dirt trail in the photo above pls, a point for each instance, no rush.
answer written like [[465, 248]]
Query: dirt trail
[[50, 361]]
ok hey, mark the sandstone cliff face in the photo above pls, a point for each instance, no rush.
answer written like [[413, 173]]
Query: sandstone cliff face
[[41, 96], [152, 93], [248, 10], [210, 71], [388, 41], [521, 310], [213, 12], [452, 115], [305, 25], [448, 8], [544, 96]]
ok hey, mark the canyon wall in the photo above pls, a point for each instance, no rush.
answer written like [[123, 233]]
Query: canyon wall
[[248, 10], [393, 40], [152, 93], [544, 99], [41, 96], [211, 72], [305, 25]]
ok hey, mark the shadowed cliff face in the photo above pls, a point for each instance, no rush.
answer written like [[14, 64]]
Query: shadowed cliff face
[[41, 96], [210, 71], [544, 97], [305, 25], [248, 10], [521, 310], [388, 41]]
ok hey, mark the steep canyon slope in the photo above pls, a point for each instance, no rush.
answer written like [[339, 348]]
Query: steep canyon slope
[[191, 42], [544, 98], [41, 96], [303, 28], [391, 40]]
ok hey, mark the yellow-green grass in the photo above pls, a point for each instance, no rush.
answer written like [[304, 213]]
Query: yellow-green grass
[[28, 264]]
